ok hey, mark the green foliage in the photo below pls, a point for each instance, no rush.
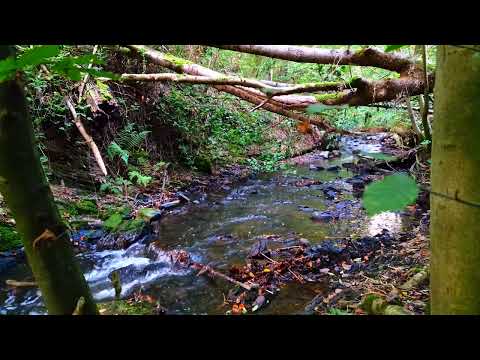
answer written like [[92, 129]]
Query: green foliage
[[113, 222], [87, 207], [139, 178], [9, 238], [392, 193], [30, 58], [37, 55], [72, 67], [115, 186], [113, 209], [390, 48], [128, 141], [7, 69], [114, 150], [129, 138], [335, 311], [211, 132], [104, 90], [269, 161], [160, 166]]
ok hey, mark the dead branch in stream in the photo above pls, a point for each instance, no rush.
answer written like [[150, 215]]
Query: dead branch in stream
[[207, 269]]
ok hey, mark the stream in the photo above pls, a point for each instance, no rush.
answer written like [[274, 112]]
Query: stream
[[219, 229]]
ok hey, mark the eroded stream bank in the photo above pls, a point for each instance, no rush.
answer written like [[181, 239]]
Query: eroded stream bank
[[301, 233]]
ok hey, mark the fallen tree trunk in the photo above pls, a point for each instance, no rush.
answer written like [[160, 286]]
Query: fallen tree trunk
[[365, 57], [251, 95], [268, 90], [270, 106], [359, 91]]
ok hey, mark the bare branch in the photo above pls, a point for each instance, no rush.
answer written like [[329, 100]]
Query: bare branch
[[364, 57]]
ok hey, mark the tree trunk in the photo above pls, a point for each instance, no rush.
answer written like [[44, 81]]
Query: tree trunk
[[28, 195], [455, 224]]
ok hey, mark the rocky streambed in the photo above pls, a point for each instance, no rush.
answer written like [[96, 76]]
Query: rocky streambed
[[299, 235]]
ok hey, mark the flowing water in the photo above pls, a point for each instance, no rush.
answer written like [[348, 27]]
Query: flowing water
[[220, 231]]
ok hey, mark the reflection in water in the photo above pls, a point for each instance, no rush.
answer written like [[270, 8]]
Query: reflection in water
[[387, 220]]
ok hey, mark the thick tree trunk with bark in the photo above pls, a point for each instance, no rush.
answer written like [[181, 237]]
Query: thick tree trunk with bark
[[455, 201], [28, 195]]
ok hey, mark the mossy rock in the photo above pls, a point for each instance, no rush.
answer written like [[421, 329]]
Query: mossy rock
[[122, 307], [131, 225], [116, 222], [147, 214], [111, 210], [66, 209], [9, 238], [86, 207]]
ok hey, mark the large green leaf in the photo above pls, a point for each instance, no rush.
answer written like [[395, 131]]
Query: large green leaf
[[8, 67], [37, 55], [392, 193], [101, 73], [390, 48]]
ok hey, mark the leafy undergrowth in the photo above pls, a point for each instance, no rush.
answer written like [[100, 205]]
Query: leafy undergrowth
[[9, 238]]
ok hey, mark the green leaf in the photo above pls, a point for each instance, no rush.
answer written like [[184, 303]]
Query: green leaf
[[73, 74], [390, 48], [142, 180], [37, 55], [115, 150], [392, 193], [8, 67], [85, 59], [8, 64], [101, 73]]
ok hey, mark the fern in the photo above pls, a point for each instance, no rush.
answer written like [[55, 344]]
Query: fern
[[115, 150], [141, 179], [130, 139]]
